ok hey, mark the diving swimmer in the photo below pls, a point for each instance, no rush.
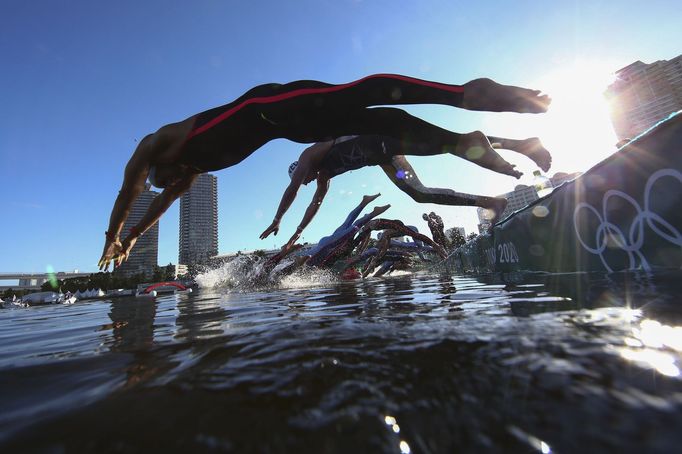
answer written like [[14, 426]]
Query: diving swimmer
[[325, 160], [303, 111]]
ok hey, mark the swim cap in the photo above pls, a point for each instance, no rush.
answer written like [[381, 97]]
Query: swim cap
[[292, 168]]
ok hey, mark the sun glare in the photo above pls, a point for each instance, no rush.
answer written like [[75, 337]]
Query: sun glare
[[577, 128], [578, 125]]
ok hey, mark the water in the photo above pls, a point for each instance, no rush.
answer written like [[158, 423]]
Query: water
[[423, 363]]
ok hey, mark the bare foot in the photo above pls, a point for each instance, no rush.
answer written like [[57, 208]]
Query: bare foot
[[367, 199], [486, 94], [476, 148], [378, 210], [533, 149]]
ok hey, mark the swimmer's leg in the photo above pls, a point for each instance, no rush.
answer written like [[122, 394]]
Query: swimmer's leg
[[353, 215], [373, 90], [360, 257], [369, 216], [346, 226], [393, 89], [321, 253], [412, 186], [385, 267], [414, 136], [488, 95], [382, 246]]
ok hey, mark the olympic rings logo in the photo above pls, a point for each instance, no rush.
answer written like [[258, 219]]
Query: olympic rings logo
[[609, 234]]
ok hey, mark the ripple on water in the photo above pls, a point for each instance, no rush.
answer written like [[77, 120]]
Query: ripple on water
[[413, 363]]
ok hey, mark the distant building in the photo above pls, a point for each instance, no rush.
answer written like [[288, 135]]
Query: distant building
[[199, 221], [180, 270], [144, 256], [521, 197], [644, 94]]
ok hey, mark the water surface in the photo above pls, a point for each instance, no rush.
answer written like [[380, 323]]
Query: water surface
[[413, 363]]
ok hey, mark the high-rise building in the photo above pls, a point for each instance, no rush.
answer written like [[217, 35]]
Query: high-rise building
[[644, 94], [144, 256], [199, 221]]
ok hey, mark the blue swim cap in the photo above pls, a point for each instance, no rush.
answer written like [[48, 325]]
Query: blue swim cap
[[292, 168]]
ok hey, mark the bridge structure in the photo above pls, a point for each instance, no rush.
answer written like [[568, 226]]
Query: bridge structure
[[33, 281]]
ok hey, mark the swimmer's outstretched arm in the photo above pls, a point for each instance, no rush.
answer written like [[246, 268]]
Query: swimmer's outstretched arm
[[134, 178], [307, 162], [156, 209], [311, 211]]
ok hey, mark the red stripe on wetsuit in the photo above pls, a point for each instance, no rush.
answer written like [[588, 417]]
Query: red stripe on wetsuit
[[309, 91]]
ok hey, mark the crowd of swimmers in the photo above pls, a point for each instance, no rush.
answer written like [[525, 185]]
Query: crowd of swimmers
[[349, 126], [350, 251]]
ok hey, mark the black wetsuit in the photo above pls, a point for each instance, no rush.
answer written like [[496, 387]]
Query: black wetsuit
[[354, 152], [309, 111]]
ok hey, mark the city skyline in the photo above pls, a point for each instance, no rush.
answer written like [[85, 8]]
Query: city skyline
[[90, 81]]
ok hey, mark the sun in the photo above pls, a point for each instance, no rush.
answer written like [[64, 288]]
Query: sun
[[577, 128]]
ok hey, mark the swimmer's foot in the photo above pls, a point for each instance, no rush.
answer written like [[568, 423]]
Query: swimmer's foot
[[488, 95], [476, 147], [367, 199], [532, 148], [378, 210]]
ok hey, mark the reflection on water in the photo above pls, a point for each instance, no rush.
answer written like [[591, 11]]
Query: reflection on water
[[414, 363]]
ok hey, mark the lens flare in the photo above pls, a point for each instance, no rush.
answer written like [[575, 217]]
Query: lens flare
[[51, 277]]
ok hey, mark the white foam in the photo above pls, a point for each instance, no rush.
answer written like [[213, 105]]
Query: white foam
[[246, 273], [308, 277]]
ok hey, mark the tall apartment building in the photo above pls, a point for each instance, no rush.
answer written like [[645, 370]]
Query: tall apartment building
[[643, 94], [144, 256], [199, 221]]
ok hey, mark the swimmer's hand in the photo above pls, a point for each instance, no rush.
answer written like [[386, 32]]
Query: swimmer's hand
[[112, 249], [126, 247], [286, 249], [273, 228], [292, 240]]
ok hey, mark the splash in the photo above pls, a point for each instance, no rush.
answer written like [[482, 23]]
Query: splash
[[308, 277], [247, 273]]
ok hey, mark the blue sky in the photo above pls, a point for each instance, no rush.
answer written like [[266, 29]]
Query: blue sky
[[81, 82]]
